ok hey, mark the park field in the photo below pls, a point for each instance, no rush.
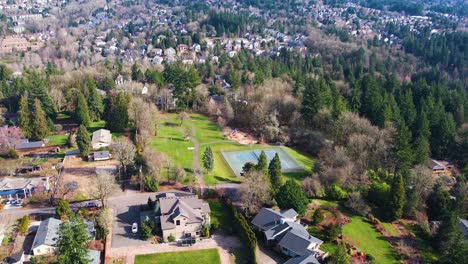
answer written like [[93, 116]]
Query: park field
[[206, 256]]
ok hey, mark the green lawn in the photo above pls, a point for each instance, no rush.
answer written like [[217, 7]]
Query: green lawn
[[205, 131], [423, 243], [219, 213], [206, 256], [367, 239], [391, 229], [58, 140]]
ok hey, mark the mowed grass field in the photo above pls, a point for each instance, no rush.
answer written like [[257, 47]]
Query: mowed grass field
[[171, 141], [366, 238], [206, 256]]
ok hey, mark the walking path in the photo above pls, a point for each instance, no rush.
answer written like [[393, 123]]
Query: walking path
[[225, 245]]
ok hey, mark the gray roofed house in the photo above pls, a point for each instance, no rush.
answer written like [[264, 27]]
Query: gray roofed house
[[101, 138], [44, 242], [26, 144], [306, 259], [283, 231], [101, 155], [182, 216], [464, 227]]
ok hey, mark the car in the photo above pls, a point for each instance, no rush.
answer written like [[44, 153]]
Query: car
[[134, 228]]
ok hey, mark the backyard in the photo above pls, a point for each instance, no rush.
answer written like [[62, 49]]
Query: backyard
[[206, 256]]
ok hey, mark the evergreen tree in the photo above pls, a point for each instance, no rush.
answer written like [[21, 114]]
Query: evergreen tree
[[262, 164], [37, 87], [24, 116], [63, 209], [81, 111], [422, 150], [72, 242], [291, 195], [371, 101], [397, 198], [403, 149], [116, 115], [274, 173], [407, 107], [39, 127], [94, 101], [438, 203], [83, 141], [208, 162], [450, 241]]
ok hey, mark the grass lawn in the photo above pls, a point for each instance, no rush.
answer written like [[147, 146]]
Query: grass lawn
[[207, 256], [219, 213], [326, 202], [363, 235], [205, 131], [172, 142], [390, 228], [58, 140], [424, 245]]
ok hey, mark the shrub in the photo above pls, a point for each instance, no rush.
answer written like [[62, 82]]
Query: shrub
[[11, 154], [151, 184], [63, 209], [205, 232], [33, 260], [23, 224], [335, 192], [171, 238], [332, 232], [318, 216], [357, 204], [214, 223], [145, 231]]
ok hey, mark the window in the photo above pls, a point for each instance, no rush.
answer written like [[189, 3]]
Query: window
[[177, 222]]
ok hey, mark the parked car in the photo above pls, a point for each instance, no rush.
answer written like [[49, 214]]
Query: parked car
[[134, 228]]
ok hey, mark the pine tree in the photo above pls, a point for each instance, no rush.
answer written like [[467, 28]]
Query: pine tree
[[438, 203], [39, 128], [94, 101], [24, 116], [291, 195], [403, 149], [116, 114], [422, 150], [81, 111], [397, 198], [262, 164], [83, 140], [208, 162], [274, 173], [72, 242], [37, 87]]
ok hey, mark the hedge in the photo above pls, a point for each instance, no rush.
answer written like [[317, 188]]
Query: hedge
[[245, 231]]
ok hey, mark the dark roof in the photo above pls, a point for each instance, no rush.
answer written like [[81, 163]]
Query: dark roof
[[290, 213], [17, 257], [298, 242], [464, 227], [306, 259], [268, 218]]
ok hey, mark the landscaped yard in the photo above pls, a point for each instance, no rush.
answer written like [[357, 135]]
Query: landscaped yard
[[207, 256], [219, 213], [366, 238], [58, 140]]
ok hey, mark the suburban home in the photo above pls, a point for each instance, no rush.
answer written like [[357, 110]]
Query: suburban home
[[182, 215], [11, 188], [170, 52], [101, 138], [47, 234], [282, 231], [101, 155], [44, 242], [25, 144], [463, 223], [441, 168]]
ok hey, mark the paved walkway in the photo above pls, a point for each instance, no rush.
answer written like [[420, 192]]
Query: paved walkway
[[225, 245]]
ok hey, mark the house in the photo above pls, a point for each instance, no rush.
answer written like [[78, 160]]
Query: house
[[22, 187], [463, 223], [158, 60], [182, 215], [44, 241], [101, 138], [181, 48], [47, 234], [282, 231], [25, 144], [441, 168], [170, 52], [101, 155], [306, 259]]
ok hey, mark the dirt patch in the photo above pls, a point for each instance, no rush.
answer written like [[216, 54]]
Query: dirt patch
[[239, 136]]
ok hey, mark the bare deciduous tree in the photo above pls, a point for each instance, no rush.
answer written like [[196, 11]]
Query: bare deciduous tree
[[9, 136], [105, 185], [143, 115], [124, 151], [421, 181], [155, 162], [255, 191], [183, 116]]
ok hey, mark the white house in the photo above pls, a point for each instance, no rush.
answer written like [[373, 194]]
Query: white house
[[47, 233], [101, 138]]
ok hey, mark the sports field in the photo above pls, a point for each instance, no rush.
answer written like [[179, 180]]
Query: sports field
[[237, 159]]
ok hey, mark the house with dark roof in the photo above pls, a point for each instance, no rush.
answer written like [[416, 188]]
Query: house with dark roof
[[182, 216], [101, 155], [282, 230], [25, 144]]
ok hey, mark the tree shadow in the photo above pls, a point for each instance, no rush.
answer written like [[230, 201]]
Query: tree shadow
[[127, 218]]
